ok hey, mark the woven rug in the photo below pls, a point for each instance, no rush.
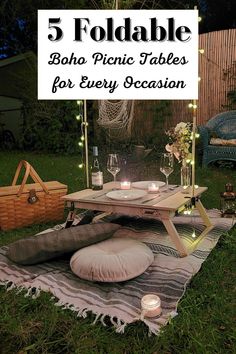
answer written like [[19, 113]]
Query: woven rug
[[167, 277]]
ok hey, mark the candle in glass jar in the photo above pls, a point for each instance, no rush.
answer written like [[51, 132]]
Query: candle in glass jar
[[125, 185], [153, 188], [151, 305]]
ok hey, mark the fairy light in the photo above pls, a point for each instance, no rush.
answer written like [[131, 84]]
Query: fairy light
[[192, 105], [79, 117]]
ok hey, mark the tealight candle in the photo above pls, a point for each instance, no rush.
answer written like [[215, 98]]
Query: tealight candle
[[125, 185], [153, 188], [151, 305]]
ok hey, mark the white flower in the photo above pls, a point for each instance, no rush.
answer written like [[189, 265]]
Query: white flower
[[180, 126]]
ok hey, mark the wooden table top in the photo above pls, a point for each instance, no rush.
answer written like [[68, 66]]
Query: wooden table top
[[171, 200]]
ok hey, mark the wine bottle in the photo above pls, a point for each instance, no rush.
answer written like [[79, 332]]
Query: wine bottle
[[97, 175]]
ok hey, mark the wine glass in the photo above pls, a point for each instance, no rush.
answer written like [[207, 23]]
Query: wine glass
[[167, 166], [113, 165]]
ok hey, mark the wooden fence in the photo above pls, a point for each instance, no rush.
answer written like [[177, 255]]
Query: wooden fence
[[217, 69]]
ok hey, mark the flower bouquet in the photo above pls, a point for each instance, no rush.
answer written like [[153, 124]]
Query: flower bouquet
[[180, 144]]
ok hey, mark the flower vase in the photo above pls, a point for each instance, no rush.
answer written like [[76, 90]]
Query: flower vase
[[185, 173]]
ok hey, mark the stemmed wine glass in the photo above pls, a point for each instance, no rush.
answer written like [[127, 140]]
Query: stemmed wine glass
[[167, 166], [113, 165]]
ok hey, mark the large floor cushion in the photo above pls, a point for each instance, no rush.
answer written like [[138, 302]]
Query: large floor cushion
[[43, 247], [113, 260]]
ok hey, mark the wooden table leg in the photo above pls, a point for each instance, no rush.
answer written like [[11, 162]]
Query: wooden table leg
[[203, 213], [175, 237], [207, 222], [100, 216]]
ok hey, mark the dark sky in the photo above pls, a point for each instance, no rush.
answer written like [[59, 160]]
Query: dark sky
[[18, 23]]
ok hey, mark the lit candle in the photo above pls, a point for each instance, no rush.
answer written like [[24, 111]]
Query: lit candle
[[125, 185], [151, 305], [153, 188]]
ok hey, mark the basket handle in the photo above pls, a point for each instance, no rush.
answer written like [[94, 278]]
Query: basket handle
[[29, 171]]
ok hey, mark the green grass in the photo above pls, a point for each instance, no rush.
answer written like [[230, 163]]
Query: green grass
[[206, 320]]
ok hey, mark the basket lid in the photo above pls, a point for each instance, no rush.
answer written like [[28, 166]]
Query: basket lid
[[12, 190]]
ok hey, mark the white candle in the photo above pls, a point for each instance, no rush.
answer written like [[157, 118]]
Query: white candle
[[153, 188], [151, 305], [125, 185]]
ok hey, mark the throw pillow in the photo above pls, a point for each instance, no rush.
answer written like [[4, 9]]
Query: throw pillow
[[43, 247], [113, 260]]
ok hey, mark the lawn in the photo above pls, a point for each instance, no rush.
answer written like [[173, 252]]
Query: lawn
[[206, 314]]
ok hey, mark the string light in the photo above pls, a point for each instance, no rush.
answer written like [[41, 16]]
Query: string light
[[79, 117], [201, 51], [193, 106]]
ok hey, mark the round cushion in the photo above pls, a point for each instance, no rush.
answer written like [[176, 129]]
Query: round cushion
[[112, 260]]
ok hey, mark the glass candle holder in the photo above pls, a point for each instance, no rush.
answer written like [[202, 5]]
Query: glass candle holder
[[124, 185], [151, 305], [153, 188]]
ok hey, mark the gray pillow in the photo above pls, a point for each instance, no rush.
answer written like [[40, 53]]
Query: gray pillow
[[43, 247]]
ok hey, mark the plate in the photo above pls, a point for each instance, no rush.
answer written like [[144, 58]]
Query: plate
[[126, 194], [144, 184]]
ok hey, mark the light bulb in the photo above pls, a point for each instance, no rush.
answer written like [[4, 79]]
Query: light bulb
[[82, 138], [81, 165], [79, 102], [80, 144], [78, 117], [190, 105], [201, 51]]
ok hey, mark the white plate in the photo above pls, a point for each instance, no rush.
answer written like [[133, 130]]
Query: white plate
[[144, 184], [126, 194]]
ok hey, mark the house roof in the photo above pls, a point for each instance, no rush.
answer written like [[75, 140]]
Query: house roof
[[14, 72]]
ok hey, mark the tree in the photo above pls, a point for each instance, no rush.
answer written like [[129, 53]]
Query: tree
[[18, 22]]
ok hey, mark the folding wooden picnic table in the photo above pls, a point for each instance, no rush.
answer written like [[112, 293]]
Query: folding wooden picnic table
[[162, 206]]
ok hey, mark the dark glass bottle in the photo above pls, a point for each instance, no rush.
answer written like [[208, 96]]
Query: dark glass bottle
[[97, 175]]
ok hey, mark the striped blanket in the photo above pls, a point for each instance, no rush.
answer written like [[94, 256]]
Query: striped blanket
[[119, 303]]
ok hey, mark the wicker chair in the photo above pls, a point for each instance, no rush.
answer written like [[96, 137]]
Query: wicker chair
[[223, 126]]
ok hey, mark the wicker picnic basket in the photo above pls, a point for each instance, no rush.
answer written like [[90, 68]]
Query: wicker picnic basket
[[26, 204]]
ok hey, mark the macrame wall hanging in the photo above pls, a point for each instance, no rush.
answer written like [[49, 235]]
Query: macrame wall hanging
[[116, 117]]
